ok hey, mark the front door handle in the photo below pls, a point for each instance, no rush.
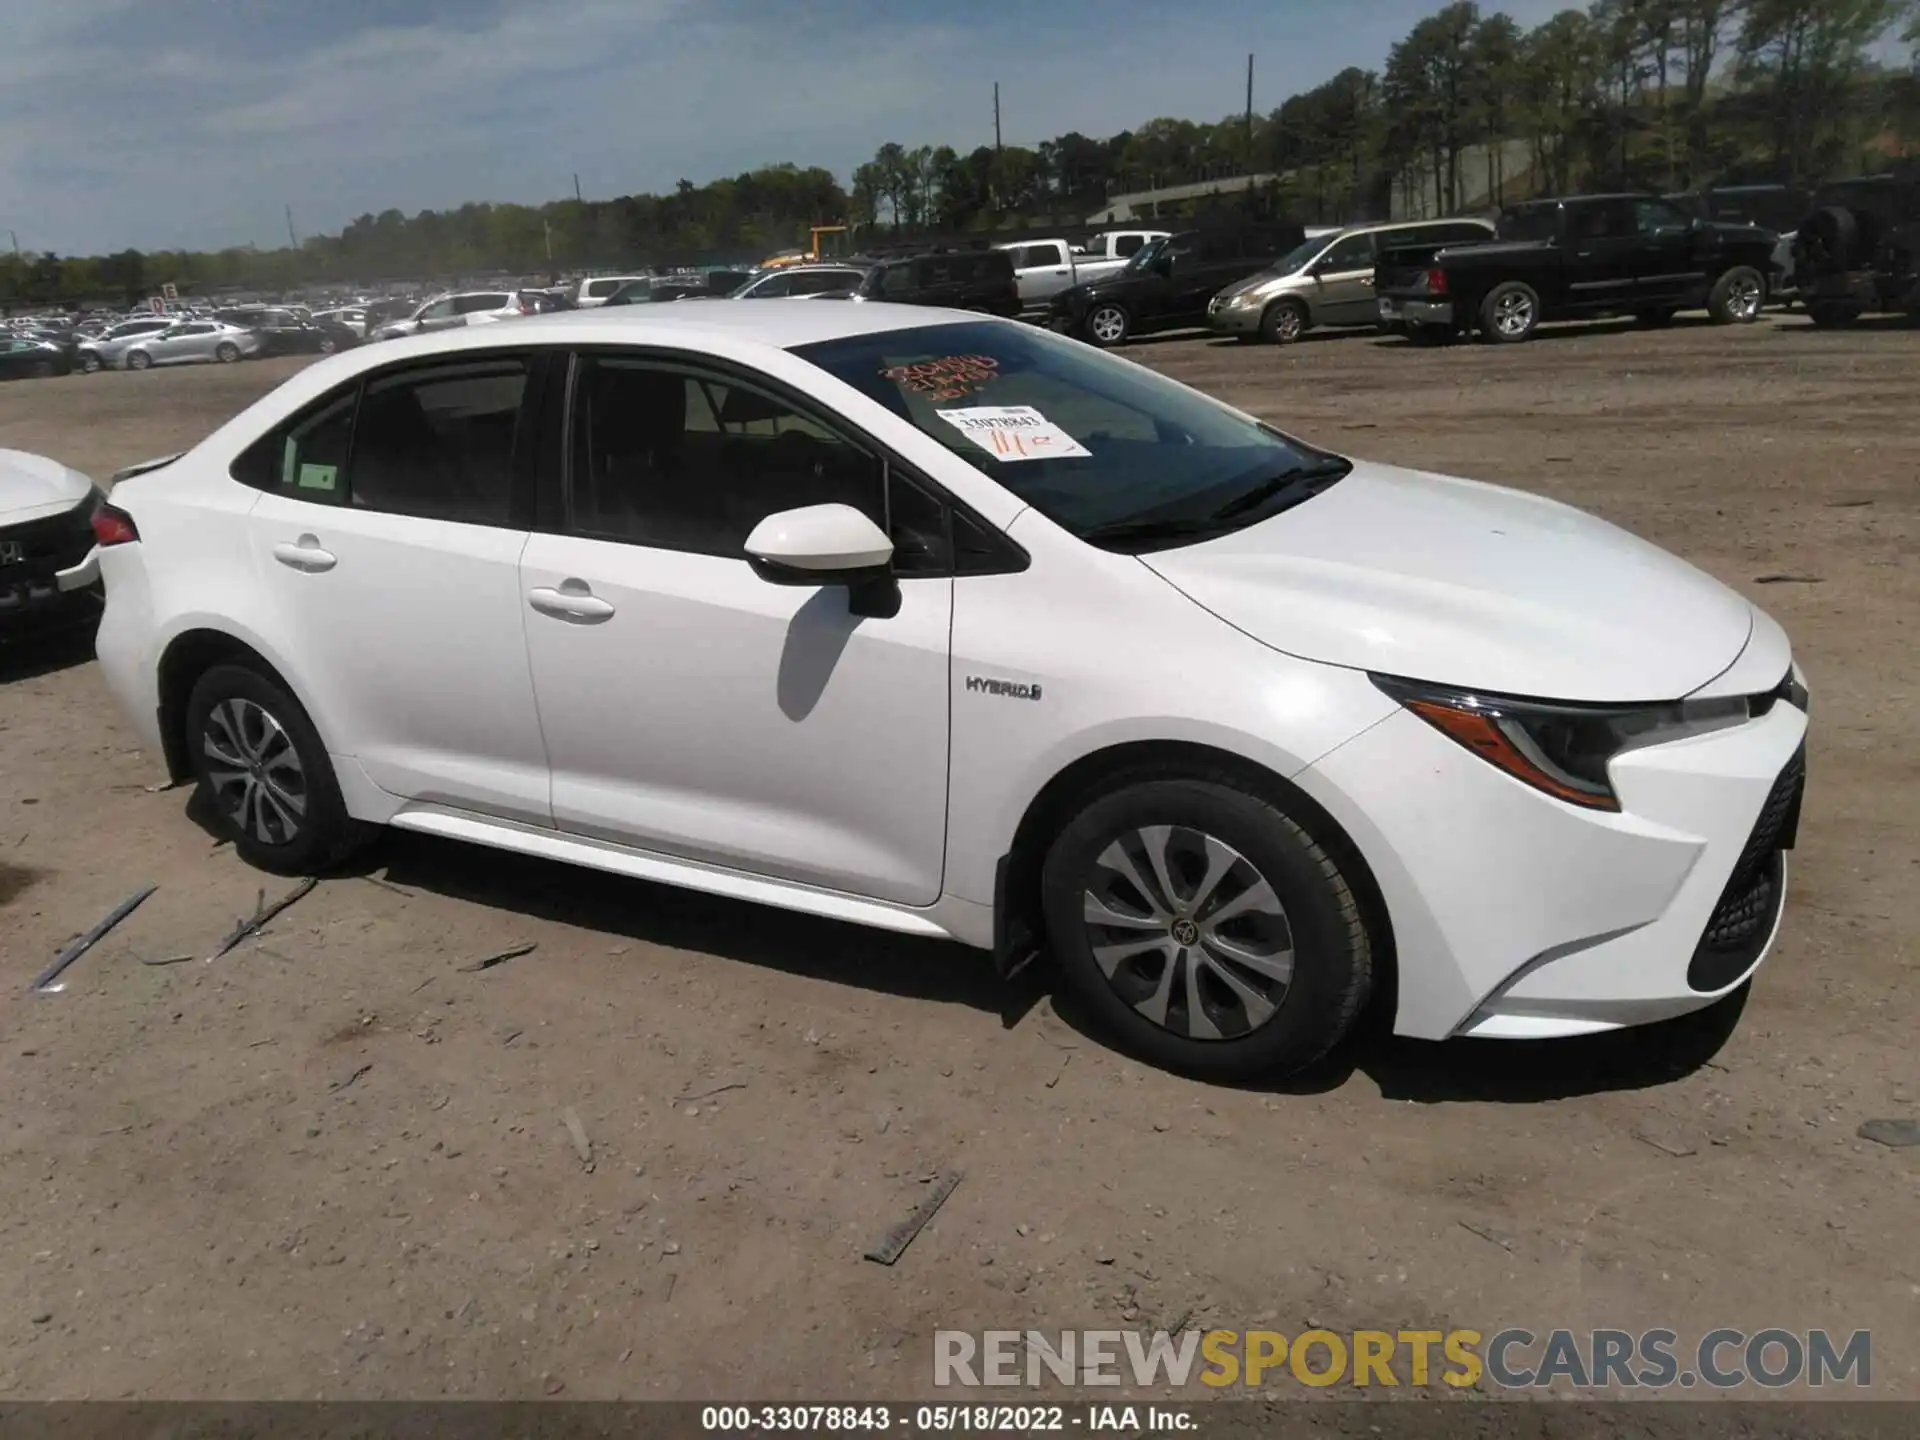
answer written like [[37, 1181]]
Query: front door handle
[[305, 555], [572, 602]]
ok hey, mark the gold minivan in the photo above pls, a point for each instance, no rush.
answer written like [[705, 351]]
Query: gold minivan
[[1328, 280]]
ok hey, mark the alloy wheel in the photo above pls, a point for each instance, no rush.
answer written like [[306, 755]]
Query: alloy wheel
[[255, 772], [1745, 297], [1513, 313], [1188, 932], [1286, 324], [1108, 324]]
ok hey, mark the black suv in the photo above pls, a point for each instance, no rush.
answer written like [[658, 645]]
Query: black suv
[[285, 333], [1860, 248], [1168, 283], [955, 279]]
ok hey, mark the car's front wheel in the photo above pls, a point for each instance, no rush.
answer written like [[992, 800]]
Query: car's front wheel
[[1284, 322], [1108, 324], [1206, 928], [1738, 296], [227, 353], [139, 360], [264, 775]]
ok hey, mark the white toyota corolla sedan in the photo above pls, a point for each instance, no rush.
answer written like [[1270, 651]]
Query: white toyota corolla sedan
[[949, 626]]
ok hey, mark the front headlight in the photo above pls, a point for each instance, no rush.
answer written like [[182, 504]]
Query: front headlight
[[1562, 749], [1246, 300]]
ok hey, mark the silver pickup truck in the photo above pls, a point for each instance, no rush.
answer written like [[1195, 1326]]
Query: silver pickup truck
[[1043, 268]]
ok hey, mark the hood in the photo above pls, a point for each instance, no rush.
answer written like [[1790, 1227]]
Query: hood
[[1460, 583], [33, 487]]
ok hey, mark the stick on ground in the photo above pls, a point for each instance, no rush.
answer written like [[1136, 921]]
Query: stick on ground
[[262, 913], [44, 983], [894, 1243]]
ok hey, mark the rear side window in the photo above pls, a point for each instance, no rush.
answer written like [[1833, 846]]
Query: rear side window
[[433, 443], [1529, 224], [1127, 244], [597, 288], [467, 304]]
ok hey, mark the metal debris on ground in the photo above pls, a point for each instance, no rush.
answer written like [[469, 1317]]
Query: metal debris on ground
[[1679, 1149], [262, 913], [1789, 580], [894, 1243], [162, 787], [489, 961], [340, 1085], [45, 982], [387, 885], [165, 959], [577, 1132], [1895, 1133], [709, 1094]]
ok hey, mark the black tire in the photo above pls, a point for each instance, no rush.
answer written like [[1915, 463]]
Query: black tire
[[138, 360], [328, 345], [1510, 313], [1655, 319], [1284, 321], [226, 352], [89, 363], [1738, 297], [1827, 242], [1831, 314], [323, 833], [1107, 323], [1332, 967]]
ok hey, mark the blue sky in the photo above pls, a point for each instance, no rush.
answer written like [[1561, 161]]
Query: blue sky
[[167, 123]]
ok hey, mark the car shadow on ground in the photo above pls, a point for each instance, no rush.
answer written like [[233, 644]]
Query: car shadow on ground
[[1500, 1072], [34, 656]]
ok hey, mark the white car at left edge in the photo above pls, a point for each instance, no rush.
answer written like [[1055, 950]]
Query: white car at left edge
[[49, 564], [949, 626]]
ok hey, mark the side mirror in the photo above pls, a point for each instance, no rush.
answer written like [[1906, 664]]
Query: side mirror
[[828, 545]]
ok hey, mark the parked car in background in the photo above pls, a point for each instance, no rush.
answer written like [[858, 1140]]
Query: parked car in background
[[450, 312], [1169, 283], [1233, 725], [596, 290], [1326, 280], [1577, 258], [1860, 248], [549, 302], [24, 358], [1779, 208], [1043, 268], [193, 342], [49, 568], [283, 332], [105, 352], [354, 317], [797, 281], [979, 280]]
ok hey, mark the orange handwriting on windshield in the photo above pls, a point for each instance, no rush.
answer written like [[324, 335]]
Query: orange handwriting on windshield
[[949, 377]]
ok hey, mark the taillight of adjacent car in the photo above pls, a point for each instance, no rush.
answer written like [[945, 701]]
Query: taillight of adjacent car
[[113, 526], [1437, 281]]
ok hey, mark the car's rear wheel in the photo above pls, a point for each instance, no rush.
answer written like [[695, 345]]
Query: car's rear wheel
[[1284, 322], [138, 360], [1738, 297], [264, 775], [227, 352], [1108, 324], [1205, 928], [1510, 313]]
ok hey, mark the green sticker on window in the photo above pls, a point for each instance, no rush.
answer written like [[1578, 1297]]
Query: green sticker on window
[[318, 477]]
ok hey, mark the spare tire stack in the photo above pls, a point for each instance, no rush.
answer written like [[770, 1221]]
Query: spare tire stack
[[1832, 242]]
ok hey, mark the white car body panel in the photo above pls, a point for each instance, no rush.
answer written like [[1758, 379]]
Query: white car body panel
[[1453, 581], [714, 730], [33, 487]]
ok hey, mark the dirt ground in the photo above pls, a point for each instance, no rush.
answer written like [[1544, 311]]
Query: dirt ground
[[334, 1164]]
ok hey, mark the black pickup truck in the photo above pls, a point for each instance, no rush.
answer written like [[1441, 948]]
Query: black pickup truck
[[1577, 258]]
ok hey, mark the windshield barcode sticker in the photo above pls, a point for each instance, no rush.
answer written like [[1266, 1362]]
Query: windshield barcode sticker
[[1013, 432]]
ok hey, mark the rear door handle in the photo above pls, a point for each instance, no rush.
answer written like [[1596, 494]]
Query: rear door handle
[[572, 602], [305, 555]]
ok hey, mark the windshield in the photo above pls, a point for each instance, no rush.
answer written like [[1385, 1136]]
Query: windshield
[[1122, 457], [1146, 255], [1297, 258]]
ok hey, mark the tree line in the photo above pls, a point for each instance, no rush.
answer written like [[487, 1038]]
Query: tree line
[[1469, 110]]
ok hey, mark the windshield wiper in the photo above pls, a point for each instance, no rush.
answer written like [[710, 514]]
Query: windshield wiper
[[1309, 480], [1162, 529]]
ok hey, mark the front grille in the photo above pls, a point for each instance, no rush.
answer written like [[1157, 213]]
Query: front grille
[[1741, 922]]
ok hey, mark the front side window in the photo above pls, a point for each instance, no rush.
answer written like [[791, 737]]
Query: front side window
[[665, 456], [1537, 222], [1354, 252], [896, 280], [1118, 455], [438, 310], [1650, 217]]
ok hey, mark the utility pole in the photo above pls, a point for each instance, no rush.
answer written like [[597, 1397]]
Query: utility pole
[[292, 239], [576, 188], [996, 117], [1250, 157], [16, 244]]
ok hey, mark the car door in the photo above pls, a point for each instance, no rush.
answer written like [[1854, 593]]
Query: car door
[[691, 708], [1669, 263], [1606, 246], [1342, 289], [181, 343], [387, 545], [1044, 271], [440, 315]]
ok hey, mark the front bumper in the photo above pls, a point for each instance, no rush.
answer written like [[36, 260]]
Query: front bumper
[[1227, 319], [1397, 311], [1517, 916]]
